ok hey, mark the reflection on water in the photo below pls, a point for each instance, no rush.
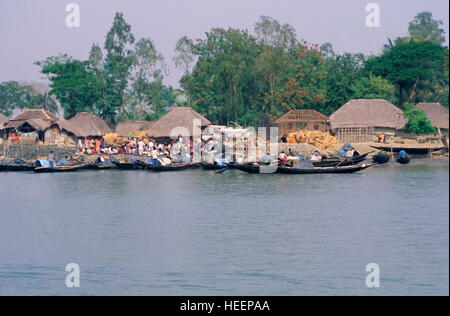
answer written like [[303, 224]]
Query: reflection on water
[[200, 233]]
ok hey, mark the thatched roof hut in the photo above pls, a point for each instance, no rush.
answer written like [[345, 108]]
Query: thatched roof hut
[[125, 128], [297, 120], [86, 125], [3, 120], [368, 112], [436, 113], [178, 117], [31, 119]]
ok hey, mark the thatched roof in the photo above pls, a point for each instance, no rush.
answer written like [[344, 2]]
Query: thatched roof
[[39, 119], [436, 113], [3, 120], [302, 116], [124, 128], [368, 112], [181, 117], [86, 125]]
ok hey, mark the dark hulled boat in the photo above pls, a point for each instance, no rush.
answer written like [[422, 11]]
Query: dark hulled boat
[[409, 150], [341, 162], [256, 168], [171, 167], [404, 160], [381, 158], [126, 165], [326, 170], [17, 166], [60, 169], [210, 166]]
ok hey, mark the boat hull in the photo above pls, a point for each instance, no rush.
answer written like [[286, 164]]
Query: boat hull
[[411, 151], [327, 170], [59, 169]]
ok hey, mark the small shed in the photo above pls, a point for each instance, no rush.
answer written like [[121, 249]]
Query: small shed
[[86, 125], [437, 114], [360, 120], [179, 121], [297, 120]]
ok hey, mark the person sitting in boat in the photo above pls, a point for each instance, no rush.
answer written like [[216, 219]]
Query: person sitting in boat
[[51, 159], [402, 154], [316, 156], [282, 158]]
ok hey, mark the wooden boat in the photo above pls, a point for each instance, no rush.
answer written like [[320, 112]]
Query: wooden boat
[[126, 165], [404, 160], [381, 158], [171, 167], [409, 150], [100, 165], [210, 166], [340, 162], [17, 166], [60, 169], [255, 168], [326, 170]]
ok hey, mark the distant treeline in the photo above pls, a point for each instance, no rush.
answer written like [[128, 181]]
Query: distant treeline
[[236, 76]]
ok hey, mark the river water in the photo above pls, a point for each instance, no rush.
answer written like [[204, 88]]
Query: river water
[[201, 233]]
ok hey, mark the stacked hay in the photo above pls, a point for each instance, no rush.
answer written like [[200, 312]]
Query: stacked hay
[[324, 141], [113, 139]]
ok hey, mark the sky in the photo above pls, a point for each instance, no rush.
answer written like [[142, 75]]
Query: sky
[[32, 30]]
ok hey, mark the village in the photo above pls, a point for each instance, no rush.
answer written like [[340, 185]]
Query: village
[[370, 125]]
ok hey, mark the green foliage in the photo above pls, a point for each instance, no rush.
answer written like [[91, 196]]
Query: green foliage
[[343, 71], [373, 87], [118, 64], [72, 83], [424, 29], [410, 66], [16, 96], [418, 121], [42, 101], [13, 96]]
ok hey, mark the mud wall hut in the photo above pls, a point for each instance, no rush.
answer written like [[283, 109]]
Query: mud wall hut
[[437, 114], [30, 125], [3, 120], [86, 125], [361, 120], [179, 121], [297, 120]]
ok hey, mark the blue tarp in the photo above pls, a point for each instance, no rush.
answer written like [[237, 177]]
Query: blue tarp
[[42, 163]]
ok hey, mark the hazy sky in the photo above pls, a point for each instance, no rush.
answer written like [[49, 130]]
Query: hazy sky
[[32, 30]]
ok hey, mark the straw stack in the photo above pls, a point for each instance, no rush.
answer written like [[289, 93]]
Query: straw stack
[[323, 141]]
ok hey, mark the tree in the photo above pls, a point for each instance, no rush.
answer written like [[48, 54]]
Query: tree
[[72, 84], [118, 63], [42, 101], [417, 120], [96, 67], [409, 66], [343, 71], [270, 32], [373, 87], [148, 66], [184, 54], [424, 28], [13, 96], [306, 86]]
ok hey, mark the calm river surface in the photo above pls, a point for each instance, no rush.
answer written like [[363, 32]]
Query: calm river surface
[[200, 233]]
